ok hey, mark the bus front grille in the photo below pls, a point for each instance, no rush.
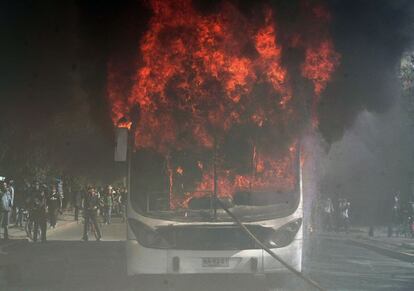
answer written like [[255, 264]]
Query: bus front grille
[[211, 237]]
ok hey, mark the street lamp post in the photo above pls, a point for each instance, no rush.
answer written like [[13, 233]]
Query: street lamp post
[[125, 143], [134, 115]]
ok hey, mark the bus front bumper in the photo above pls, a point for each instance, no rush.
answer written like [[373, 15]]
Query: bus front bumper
[[141, 260]]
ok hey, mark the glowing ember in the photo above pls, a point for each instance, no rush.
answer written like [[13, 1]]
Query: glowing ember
[[126, 124], [211, 82], [180, 171]]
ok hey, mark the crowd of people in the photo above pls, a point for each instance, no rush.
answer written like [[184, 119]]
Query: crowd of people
[[33, 205], [97, 202], [398, 217], [402, 218], [336, 217]]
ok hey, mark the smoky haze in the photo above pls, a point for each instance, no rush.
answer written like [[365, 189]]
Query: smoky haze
[[55, 63], [371, 36], [372, 161], [366, 128]]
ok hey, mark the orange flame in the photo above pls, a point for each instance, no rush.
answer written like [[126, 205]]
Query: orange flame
[[197, 84]]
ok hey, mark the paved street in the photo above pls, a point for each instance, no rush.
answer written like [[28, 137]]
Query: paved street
[[66, 263], [339, 265], [113, 232]]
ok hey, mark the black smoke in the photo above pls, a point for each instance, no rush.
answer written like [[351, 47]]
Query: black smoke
[[54, 70], [371, 37]]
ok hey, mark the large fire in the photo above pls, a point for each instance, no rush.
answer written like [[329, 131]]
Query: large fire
[[209, 82]]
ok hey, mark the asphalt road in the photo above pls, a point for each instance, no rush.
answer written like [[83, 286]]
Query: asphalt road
[[339, 265], [67, 263]]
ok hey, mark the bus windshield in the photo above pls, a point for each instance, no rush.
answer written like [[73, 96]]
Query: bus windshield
[[183, 186]]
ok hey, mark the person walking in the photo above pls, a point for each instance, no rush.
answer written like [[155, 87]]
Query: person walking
[[10, 188], [59, 188], [108, 203], [90, 206], [124, 198], [328, 211], [344, 206], [117, 202], [394, 225], [13, 212], [38, 210], [54, 205], [6, 207], [77, 202], [19, 201]]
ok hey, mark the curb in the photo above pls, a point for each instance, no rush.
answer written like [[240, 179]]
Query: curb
[[399, 255]]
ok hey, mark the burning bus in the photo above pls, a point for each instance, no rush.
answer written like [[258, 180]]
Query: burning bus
[[222, 111], [176, 226]]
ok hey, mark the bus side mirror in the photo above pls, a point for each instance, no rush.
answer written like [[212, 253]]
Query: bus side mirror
[[121, 146]]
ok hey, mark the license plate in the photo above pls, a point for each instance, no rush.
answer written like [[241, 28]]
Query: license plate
[[215, 262]]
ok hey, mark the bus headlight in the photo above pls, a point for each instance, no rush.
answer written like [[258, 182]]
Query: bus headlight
[[146, 236], [284, 235]]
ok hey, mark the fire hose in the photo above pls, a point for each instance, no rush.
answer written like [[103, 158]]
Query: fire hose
[[267, 249]]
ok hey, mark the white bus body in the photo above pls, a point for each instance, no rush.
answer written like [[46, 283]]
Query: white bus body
[[147, 260]]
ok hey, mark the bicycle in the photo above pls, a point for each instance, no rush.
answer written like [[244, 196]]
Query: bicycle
[[29, 225], [90, 229]]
